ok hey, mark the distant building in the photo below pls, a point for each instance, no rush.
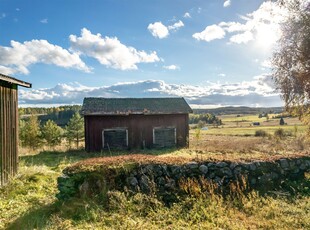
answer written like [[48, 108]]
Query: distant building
[[9, 126], [126, 123]]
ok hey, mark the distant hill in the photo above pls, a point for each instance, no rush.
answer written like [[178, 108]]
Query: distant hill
[[61, 115], [239, 110]]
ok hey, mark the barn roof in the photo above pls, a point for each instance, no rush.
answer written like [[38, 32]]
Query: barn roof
[[13, 80], [125, 106]]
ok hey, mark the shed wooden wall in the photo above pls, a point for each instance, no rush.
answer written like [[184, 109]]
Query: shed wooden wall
[[8, 131], [140, 128]]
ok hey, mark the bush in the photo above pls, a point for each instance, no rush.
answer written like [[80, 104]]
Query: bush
[[282, 121], [280, 133], [260, 133]]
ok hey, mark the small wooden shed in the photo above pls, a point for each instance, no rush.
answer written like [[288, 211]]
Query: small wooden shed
[[9, 126], [126, 123]]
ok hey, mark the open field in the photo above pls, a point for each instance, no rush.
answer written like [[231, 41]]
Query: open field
[[29, 201], [250, 130], [242, 125]]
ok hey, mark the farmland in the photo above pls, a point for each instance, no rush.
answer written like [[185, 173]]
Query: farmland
[[29, 201]]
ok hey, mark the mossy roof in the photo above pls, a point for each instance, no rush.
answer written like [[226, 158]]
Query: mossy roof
[[125, 106]]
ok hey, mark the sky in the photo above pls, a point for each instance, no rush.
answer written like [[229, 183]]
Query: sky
[[213, 53]]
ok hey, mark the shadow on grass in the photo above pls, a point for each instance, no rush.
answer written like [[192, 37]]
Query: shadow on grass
[[35, 218], [55, 158], [53, 215]]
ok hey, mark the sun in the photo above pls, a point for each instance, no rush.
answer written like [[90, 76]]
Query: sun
[[267, 35]]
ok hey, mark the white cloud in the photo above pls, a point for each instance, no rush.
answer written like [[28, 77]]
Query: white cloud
[[210, 33], [242, 38], [44, 21], [176, 25], [2, 15], [161, 31], [227, 3], [232, 27], [266, 65], [261, 25], [259, 91], [109, 51], [158, 30], [18, 57], [222, 75], [171, 67], [187, 15]]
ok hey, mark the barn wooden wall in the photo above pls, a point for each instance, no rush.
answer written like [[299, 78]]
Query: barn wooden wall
[[8, 131], [140, 128]]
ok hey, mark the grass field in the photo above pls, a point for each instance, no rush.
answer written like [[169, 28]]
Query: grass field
[[29, 201], [250, 130]]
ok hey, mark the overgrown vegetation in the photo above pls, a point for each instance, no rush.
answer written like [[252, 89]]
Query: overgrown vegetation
[[29, 202], [33, 135]]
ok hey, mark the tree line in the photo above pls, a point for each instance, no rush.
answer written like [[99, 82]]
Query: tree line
[[203, 119], [33, 134], [60, 115]]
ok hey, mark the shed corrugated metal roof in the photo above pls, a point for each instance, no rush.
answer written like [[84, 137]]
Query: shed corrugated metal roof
[[13, 80], [125, 106]]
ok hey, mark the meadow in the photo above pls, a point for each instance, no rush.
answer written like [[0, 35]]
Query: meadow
[[29, 201]]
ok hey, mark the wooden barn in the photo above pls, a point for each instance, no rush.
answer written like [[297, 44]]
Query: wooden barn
[[9, 126], [131, 123]]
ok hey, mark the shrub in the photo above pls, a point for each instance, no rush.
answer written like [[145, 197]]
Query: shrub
[[260, 133], [280, 133]]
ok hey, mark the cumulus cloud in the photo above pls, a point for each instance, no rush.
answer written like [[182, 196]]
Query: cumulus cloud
[[171, 67], [210, 33], [257, 92], [187, 15], [176, 25], [242, 38], [227, 3], [158, 30], [262, 25], [161, 31], [18, 57], [109, 51]]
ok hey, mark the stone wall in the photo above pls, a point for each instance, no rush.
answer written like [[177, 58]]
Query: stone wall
[[164, 179]]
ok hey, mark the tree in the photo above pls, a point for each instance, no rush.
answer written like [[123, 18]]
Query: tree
[[52, 133], [30, 132], [282, 121], [75, 129], [291, 60]]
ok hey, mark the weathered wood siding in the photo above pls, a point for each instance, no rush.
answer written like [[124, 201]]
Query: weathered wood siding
[[8, 131], [140, 129]]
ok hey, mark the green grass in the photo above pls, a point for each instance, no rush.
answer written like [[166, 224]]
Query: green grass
[[250, 131], [242, 118], [29, 202]]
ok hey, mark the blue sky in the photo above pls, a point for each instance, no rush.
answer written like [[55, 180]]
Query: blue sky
[[214, 53]]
